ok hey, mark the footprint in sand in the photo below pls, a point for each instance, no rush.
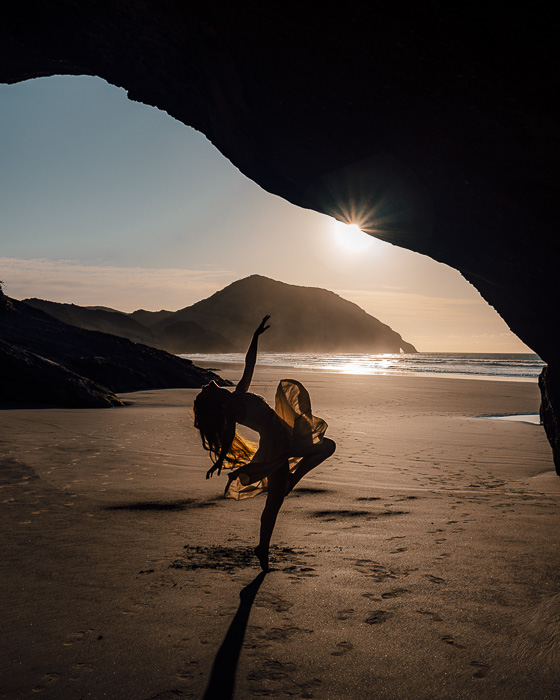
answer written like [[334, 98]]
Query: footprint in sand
[[280, 634], [79, 670], [83, 668], [448, 639], [298, 573], [378, 616], [435, 617], [131, 612], [344, 614], [399, 550], [395, 593], [47, 680], [434, 579], [173, 694], [481, 669], [276, 670], [274, 678], [72, 638], [342, 648], [374, 570], [185, 676], [269, 600]]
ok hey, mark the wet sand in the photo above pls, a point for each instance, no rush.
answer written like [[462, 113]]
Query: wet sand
[[420, 561]]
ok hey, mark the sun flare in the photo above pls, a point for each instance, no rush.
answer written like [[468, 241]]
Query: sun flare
[[350, 237]]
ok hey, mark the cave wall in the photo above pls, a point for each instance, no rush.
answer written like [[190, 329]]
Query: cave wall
[[430, 124]]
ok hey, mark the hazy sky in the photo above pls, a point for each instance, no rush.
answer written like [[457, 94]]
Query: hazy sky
[[104, 201]]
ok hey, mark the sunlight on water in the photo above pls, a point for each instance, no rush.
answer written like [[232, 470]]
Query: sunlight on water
[[475, 365], [362, 366]]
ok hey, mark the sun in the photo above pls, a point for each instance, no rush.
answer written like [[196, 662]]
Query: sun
[[350, 237]]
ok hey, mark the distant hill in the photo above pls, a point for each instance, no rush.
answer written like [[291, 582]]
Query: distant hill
[[177, 336], [183, 336], [97, 318], [304, 319], [150, 318]]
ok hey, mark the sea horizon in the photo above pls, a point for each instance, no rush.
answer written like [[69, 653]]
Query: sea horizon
[[494, 366]]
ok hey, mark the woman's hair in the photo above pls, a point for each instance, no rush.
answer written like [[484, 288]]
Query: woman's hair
[[210, 420]]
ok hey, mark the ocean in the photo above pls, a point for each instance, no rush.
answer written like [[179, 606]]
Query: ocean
[[510, 366]]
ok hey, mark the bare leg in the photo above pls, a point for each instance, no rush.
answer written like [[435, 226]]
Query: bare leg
[[277, 485], [230, 478], [312, 460]]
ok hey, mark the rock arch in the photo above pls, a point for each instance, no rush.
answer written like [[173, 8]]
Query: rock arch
[[445, 111]]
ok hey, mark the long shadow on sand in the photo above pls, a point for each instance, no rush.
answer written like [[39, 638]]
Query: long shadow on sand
[[182, 504], [222, 678]]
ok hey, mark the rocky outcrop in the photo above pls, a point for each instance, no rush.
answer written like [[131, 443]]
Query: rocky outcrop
[[549, 383], [432, 126], [29, 379], [47, 362]]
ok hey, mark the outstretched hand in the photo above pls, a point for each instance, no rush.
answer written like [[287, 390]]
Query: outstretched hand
[[211, 471], [263, 327]]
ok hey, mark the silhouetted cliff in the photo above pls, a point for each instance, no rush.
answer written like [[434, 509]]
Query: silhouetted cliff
[[46, 361]]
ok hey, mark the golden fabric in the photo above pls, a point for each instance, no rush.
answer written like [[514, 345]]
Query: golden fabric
[[288, 433]]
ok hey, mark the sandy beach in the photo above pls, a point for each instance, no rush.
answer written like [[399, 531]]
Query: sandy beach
[[420, 561]]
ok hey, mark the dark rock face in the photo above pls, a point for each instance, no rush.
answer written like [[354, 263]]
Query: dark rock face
[[432, 126], [549, 383], [29, 379], [45, 361]]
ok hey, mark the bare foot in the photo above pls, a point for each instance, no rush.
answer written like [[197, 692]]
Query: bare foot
[[262, 556]]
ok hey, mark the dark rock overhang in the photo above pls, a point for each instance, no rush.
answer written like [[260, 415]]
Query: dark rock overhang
[[430, 124]]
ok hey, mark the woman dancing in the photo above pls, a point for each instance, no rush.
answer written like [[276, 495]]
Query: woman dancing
[[291, 440]]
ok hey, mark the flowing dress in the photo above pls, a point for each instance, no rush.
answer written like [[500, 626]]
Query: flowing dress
[[289, 432]]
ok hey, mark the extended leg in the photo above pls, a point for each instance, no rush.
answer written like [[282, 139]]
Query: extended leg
[[311, 460], [277, 485]]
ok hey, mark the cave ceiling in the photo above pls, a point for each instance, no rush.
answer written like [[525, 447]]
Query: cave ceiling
[[431, 125]]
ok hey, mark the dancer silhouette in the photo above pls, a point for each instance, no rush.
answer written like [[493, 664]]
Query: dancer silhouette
[[291, 440]]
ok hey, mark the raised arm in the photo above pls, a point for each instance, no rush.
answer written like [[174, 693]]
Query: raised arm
[[251, 357]]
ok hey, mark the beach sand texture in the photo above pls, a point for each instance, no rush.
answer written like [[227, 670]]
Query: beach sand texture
[[420, 561]]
